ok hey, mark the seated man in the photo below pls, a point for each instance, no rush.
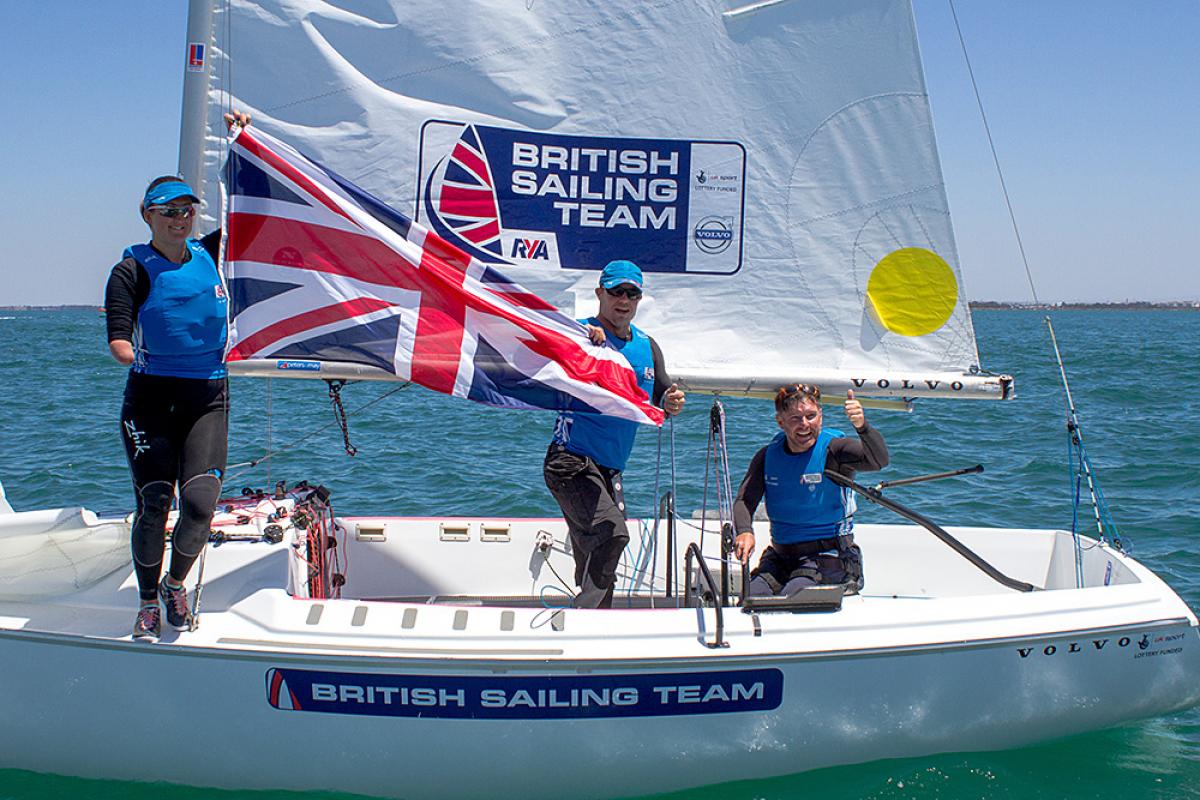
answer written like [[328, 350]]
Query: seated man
[[812, 518]]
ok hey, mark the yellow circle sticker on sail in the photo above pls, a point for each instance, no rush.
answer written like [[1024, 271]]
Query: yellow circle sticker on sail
[[913, 291]]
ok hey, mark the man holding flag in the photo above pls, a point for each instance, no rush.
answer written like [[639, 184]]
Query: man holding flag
[[588, 452]]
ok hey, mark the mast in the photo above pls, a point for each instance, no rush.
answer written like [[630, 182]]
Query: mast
[[194, 117]]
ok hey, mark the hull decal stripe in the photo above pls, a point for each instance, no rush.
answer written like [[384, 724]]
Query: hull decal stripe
[[655, 694]]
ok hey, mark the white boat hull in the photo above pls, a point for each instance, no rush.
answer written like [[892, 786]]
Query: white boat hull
[[202, 718], [471, 699]]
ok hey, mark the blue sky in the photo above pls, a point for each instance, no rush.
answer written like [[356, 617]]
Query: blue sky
[[1095, 108]]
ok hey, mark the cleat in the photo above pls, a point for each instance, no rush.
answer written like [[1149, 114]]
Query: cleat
[[147, 626], [176, 604]]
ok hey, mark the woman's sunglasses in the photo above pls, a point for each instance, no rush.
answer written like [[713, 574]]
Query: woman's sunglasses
[[170, 212]]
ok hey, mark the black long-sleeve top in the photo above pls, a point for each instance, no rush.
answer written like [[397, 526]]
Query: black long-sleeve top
[[846, 456]]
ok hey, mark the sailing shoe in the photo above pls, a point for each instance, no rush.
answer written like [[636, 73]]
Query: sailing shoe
[[147, 627], [590, 595], [175, 601]]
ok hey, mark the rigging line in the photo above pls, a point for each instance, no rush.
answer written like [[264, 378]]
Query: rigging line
[[296, 443], [642, 562], [727, 483], [229, 56], [657, 506], [1077, 479], [672, 509], [724, 496], [270, 428], [688, 523], [566, 587], [720, 455], [708, 460], [995, 158], [1075, 432], [339, 413], [552, 588]]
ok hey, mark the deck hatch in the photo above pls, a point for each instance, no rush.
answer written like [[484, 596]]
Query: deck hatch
[[454, 531], [370, 533], [495, 532]]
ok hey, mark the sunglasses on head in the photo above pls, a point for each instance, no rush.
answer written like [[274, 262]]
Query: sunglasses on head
[[804, 389], [632, 292], [170, 212]]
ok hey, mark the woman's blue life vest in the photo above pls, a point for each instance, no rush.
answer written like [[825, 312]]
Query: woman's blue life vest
[[608, 440], [802, 504], [183, 324]]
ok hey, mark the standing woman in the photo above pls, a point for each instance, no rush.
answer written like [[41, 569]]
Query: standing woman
[[167, 319]]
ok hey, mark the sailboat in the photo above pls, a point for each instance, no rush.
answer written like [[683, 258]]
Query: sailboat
[[772, 167]]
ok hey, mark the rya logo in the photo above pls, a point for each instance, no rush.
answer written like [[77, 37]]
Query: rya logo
[[530, 249]]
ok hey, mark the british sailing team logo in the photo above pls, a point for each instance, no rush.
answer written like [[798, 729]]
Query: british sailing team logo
[[465, 210], [550, 200], [278, 693]]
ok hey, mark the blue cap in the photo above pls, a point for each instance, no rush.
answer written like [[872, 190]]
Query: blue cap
[[166, 192], [618, 272]]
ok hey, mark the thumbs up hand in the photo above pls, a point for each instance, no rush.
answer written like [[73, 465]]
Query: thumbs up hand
[[854, 411]]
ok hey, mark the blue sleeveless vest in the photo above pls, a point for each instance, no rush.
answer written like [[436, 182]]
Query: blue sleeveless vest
[[802, 503], [607, 440], [182, 325]]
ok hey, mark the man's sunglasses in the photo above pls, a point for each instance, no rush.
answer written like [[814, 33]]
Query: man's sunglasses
[[170, 212], [632, 292]]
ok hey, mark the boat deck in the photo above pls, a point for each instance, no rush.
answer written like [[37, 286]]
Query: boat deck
[[471, 588]]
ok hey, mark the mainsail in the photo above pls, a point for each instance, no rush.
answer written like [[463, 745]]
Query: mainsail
[[771, 166]]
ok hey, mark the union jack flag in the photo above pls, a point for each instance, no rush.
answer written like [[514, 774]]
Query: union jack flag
[[319, 269]]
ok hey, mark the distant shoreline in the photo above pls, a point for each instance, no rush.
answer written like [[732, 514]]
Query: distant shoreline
[[1127, 305], [67, 307], [987, 305]]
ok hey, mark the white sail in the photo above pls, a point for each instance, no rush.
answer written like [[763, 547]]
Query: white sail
[[772, 167], [56, 551]]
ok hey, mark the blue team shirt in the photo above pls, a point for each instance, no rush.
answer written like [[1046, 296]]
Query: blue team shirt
[[802, 504], [182, 325], [608, 440]]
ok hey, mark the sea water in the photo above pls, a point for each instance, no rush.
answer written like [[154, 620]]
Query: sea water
[[1135, 385]]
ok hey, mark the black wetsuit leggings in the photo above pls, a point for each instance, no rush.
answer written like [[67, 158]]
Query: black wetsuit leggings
[[175, 434]]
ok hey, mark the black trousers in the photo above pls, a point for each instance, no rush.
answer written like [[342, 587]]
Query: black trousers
[[175, 434], [593, 505], [784, 569]]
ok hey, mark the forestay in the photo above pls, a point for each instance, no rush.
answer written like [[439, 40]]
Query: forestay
[[772, 167]]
